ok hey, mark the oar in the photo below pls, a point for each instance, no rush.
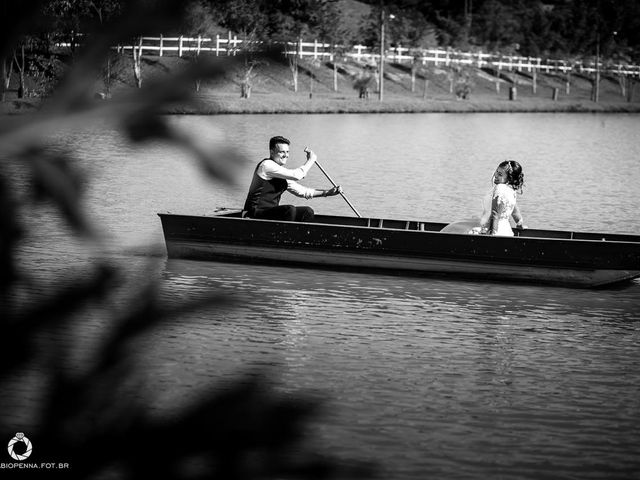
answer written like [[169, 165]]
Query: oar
[[334, 184], [308, 151]]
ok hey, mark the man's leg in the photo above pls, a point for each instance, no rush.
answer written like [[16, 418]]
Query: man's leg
[[286, 212], [281, 212], [304, 214]]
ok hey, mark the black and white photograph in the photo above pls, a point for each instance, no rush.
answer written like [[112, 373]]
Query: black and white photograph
[[320, 239]]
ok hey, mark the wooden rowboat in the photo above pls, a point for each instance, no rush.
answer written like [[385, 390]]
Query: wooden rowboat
[[575, 259]]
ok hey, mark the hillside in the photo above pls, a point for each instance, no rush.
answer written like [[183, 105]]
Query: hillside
[[272, 91]]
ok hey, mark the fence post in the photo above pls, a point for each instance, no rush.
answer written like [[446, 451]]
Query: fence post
[[161, 45], [229, 43], [534, 82], [315, 49], [217, 44], [180, 46], [199, 44]]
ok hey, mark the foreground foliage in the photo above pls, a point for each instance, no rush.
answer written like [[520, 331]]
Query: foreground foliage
[[85, 417]]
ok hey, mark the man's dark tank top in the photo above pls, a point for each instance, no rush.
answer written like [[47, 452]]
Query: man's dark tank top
[[264, 193]]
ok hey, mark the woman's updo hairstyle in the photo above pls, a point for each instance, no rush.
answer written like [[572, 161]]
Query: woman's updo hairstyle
[[515, 177]]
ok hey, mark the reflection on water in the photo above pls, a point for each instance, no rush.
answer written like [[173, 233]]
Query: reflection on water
[[350, 290], [431, 377]]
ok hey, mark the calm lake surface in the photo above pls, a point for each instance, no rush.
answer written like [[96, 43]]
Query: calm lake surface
[[432, 378]]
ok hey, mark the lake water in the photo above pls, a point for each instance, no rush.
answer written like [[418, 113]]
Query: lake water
[[432, 378]]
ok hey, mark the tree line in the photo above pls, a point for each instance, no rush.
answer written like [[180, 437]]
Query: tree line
[[573, 29], [550, 28]]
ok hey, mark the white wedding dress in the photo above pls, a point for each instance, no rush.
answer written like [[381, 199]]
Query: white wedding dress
[[502, 198]]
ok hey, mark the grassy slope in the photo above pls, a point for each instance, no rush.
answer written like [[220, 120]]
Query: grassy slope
[[273, 93]]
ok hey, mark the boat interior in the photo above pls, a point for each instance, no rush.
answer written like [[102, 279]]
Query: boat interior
[[433, 227]]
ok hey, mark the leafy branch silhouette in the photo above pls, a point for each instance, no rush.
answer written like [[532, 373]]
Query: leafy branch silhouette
[[246, 430]]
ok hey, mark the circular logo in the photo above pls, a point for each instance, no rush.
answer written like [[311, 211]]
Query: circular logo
[[20, 438]]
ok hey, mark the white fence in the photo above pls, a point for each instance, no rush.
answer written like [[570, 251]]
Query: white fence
[[223, 46]]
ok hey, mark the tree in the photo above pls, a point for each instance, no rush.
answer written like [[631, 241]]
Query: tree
[[7, 70], [498, 25], [201, 18], [289, 19], [136, 56], [329, 29], [20, 64], [71, 20], [247, 18], [416, 66]]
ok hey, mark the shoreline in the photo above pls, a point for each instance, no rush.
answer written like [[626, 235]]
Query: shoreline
[[391, 106], [274, 104], [401, 100]]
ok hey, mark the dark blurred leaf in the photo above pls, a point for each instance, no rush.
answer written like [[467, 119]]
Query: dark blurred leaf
[[10, 235], [145, 126], [16, 19], [20, 328], [55, 179], [97, 416]]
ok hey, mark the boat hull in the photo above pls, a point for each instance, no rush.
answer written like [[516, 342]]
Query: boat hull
[[417, 249]]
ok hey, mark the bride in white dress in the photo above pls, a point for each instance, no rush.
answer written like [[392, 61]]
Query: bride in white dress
[[498, 206]]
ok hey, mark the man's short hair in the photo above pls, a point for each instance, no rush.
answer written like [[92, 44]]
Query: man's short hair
[[275, 140]]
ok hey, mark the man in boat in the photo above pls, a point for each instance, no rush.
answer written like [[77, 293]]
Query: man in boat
[[270, 180]]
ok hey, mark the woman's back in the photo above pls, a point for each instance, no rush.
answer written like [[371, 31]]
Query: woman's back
[[503, 202]]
